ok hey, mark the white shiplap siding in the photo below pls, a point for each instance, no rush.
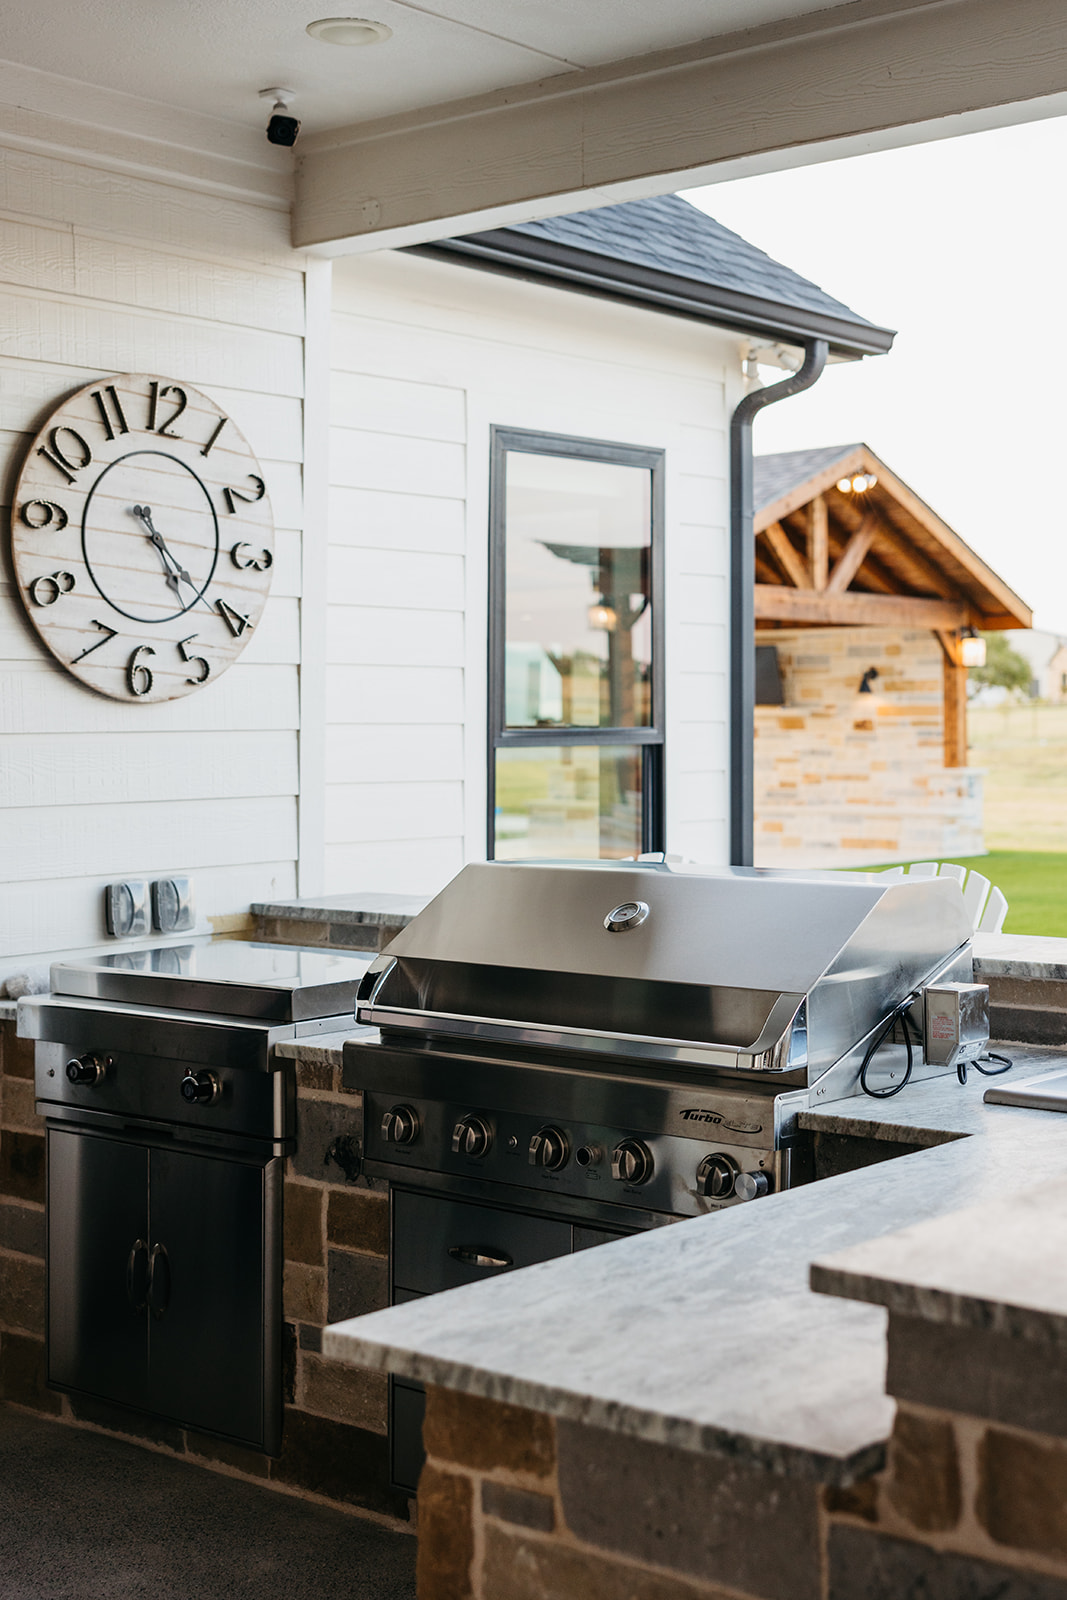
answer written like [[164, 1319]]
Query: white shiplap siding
[[426, 357], [103, 271]]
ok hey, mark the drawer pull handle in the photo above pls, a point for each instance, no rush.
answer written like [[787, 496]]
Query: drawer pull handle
[[137, 1276], [158, 1281], [478, 1258]]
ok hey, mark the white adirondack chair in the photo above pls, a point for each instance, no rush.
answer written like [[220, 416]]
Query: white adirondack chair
[[986, 906]]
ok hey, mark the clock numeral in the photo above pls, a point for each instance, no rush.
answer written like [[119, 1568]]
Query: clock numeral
[[46, 590], [236, 621], [116, 408], [138, 676], [231, 495], [109, 634], [183, 652], [243, 556], [59, 457], [155, 395], [44, 514], [207, 448]]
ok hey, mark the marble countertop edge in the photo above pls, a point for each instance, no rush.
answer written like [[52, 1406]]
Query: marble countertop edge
[[781, 1457], [928, 1303]]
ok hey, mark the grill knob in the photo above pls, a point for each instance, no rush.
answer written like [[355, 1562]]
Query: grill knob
[[200, 1088], [87, 1069], [631, 1162], [549, 1149], [715, 1177], [400, 1125], [471, 1137], [750, 1185]]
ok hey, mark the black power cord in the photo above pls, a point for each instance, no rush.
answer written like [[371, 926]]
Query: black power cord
[[987, 1072], [901, 1010], [879, 1040]]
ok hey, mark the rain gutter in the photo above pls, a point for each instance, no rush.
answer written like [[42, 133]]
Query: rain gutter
[[743, 596]]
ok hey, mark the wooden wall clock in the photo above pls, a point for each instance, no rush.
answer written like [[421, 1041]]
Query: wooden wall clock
[[142, 538]]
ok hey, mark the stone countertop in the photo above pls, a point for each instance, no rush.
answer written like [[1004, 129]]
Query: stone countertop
[[373, 910], [707, 1335], [323, 1049], [1019, 955], [997, 1267], [932, 1112]]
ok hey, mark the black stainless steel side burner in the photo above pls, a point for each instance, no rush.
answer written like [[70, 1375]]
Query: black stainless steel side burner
[[168, 1118]]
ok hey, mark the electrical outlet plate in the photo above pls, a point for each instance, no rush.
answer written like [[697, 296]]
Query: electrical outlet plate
[[126, 908], [172, 904]]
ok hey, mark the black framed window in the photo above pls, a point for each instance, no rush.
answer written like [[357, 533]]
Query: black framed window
[[575, 648]]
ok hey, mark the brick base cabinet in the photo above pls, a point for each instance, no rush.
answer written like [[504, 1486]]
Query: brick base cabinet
[[336, 1240], [972, 1503]]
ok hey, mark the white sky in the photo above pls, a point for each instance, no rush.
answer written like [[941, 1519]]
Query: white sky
[[961, 245]]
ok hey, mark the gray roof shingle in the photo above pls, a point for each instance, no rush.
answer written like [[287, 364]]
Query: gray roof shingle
[[775, 475], [670, 235]]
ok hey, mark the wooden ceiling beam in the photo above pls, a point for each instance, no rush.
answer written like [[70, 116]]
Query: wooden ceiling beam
[[818, 541], [788, 558], [773, 601], [852, 557]]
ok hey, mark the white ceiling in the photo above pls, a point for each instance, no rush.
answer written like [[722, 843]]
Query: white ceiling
[[212, 56]]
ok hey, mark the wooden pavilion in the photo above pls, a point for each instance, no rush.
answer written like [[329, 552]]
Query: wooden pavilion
[[869, 597]]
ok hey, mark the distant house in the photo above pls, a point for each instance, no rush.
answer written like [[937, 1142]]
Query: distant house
[[864, 597], [1047, 655]]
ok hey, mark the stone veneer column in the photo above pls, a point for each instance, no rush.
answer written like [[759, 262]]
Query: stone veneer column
[[973, 1503], [22, 1231]]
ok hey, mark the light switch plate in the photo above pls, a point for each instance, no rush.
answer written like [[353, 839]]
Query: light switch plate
[[126, 908], [172, 904]]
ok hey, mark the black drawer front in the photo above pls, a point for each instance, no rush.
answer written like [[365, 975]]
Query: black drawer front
[[441, 1244]]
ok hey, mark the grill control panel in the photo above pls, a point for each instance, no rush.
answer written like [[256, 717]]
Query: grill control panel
[[621, 1166]]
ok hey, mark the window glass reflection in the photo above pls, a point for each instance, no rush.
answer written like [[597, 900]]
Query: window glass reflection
[[581, 802], [578, 650]]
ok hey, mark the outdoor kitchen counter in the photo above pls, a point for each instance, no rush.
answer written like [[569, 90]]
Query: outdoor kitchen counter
[[706, 1335]]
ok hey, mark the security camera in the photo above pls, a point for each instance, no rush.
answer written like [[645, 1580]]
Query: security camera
[[281, 129]]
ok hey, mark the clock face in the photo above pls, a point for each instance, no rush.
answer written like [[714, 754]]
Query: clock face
[[142, 538]]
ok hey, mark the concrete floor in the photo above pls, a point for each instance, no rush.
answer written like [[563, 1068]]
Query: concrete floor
[[86, 1517]]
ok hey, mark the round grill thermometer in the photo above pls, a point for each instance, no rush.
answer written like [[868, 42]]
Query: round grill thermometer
[[629, 915]]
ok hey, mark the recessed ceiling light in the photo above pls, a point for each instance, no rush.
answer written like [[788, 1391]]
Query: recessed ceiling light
[[349, 30]]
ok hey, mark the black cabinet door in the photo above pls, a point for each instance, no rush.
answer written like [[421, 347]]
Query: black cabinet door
[[211, 1311], [97, 1265]]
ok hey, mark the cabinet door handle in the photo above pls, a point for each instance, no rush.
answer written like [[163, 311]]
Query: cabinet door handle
[[472, 1257], [137, 1275], [158, 1295]]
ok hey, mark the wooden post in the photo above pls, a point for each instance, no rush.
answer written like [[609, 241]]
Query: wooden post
[[819, 543], [954, 675]]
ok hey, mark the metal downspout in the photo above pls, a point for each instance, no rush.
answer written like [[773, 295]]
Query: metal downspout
[[743, 595]]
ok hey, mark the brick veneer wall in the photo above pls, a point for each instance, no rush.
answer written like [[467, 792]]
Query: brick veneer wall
[[336, 1239], [844, 779], [972, 1503]]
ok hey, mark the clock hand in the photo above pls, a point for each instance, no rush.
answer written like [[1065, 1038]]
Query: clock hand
[[144, 513], [172, 567]]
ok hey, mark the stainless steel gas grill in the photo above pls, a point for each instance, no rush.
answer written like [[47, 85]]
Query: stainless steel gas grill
[[168, 1119], [571, 1052]]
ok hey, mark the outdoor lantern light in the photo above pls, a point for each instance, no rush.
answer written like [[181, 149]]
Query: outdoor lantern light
[[867, 679], [972, 649], [857, 485], [603, 616]]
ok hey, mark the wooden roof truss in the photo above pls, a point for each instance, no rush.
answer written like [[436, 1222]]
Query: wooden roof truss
[[877, 558]]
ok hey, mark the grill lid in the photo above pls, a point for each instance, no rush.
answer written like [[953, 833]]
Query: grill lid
[[763, 970]]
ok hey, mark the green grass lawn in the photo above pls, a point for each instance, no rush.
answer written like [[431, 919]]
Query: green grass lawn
[[1034, 882]]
